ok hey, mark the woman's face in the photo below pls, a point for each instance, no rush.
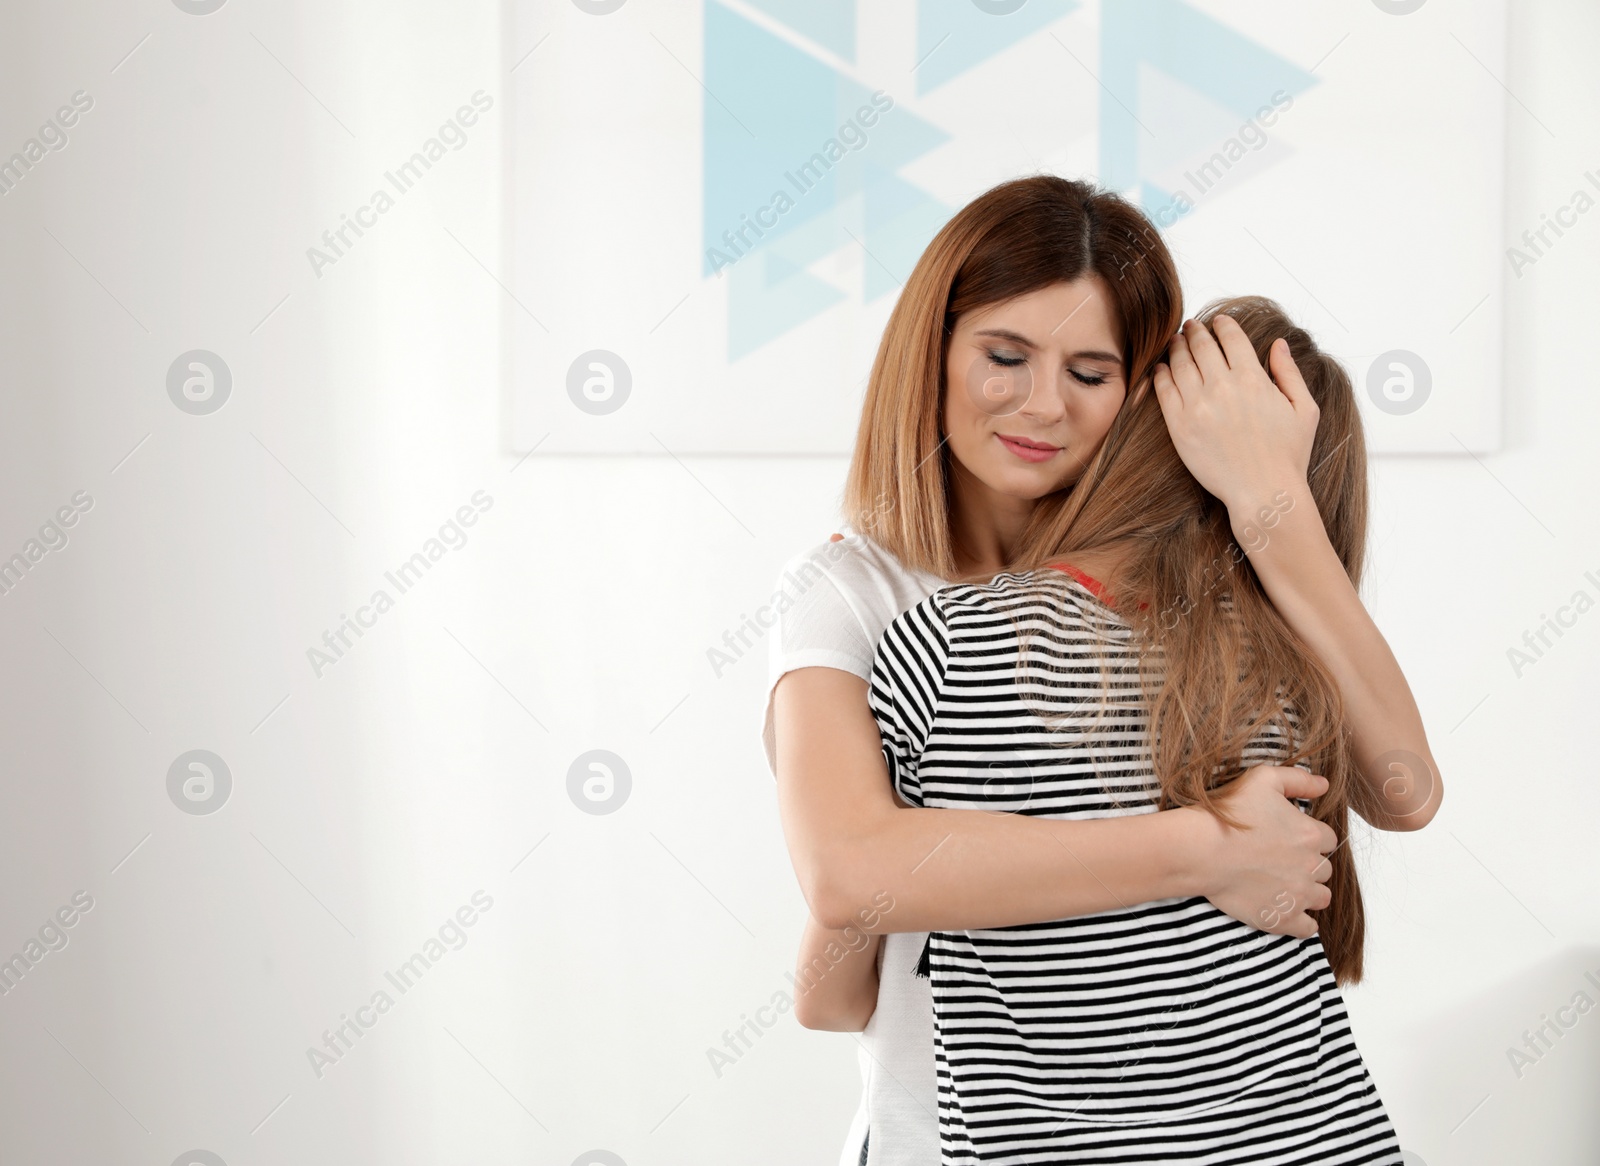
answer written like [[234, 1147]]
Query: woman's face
[[1032, 385]]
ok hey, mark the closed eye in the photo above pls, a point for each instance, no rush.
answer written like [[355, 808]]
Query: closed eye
[[1087, 378], [1006, 360]]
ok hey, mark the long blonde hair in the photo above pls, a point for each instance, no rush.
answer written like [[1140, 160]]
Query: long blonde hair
[[1219, 666], [1013, 239]]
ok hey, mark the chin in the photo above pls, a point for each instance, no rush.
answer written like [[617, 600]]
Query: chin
[[1027, 485]]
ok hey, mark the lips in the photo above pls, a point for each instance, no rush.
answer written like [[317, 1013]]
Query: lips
[[1027, 449]]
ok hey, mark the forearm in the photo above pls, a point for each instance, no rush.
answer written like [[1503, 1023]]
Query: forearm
[[855, 848], [959, 869], [1306, 582], [836, 978]]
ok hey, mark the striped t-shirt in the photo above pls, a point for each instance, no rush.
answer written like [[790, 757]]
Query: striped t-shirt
[[1164, 1032]]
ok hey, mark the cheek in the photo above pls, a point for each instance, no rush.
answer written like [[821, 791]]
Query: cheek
[[960, 431], [1095, 416], [963, 420]]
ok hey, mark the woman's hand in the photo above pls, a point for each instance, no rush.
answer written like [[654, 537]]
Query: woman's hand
[[1272, 872], [1244, 435]]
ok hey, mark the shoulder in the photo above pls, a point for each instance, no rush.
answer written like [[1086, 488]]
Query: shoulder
[[965, 623], [957, 612], [1012, 596], [854, 574], [855, 560]]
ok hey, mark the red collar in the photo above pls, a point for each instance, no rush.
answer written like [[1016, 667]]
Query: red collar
[[1095, 587]]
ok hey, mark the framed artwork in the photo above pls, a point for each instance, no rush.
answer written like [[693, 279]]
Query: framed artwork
[[715, 202]]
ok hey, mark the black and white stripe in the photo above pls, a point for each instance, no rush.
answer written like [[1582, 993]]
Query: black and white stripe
[[1165, 1032]]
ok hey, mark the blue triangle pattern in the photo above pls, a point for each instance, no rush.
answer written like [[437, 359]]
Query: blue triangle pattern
[[794, 150], [1216, 61], [761, 309], [897, 243], [1162, 205], [954, 35], [831, 23], [770, 100]]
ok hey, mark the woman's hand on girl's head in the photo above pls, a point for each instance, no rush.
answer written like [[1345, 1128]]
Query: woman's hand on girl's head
[[1244, 434]]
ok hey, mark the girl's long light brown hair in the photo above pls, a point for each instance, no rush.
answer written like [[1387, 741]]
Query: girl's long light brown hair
[[1219, 665], [1013, 239]]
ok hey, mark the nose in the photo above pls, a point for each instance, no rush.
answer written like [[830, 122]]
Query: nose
[[1047, 404]]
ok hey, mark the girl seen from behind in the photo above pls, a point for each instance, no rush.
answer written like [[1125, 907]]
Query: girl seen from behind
[[1133, 661]]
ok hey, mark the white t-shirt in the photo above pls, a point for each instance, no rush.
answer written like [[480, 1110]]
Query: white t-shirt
[[842, 597]]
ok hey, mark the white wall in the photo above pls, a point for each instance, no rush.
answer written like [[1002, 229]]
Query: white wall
[[425, 765]]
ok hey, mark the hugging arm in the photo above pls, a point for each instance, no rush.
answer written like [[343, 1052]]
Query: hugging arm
[[1246, 436], [866, 861]]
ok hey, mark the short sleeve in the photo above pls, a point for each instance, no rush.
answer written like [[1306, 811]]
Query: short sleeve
[[829, 607], [815, 627], [908, 673], [819, 630]]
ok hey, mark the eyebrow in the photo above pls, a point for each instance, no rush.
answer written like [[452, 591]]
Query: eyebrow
[[1018, 338]]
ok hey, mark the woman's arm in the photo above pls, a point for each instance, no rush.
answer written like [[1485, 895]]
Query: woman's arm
[[1247, 438], [851, 843], [1306, 582], [836, 978]]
